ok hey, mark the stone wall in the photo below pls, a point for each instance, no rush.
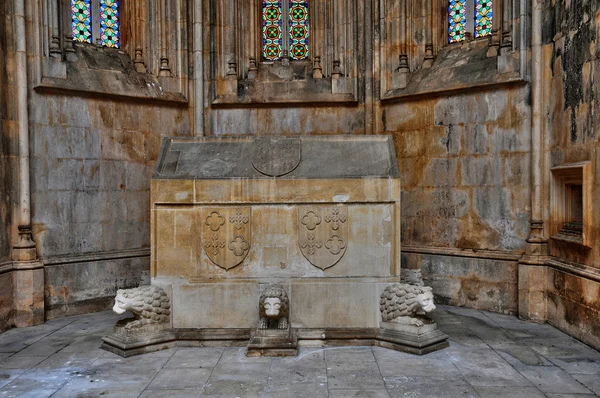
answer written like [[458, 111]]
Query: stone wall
[[465, 166], [92, 160], [571, 40], [6, 282], [5, 149]]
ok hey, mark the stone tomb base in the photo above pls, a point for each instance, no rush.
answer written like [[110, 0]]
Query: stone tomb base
[[149, 338], [273, 343], [419, 341]]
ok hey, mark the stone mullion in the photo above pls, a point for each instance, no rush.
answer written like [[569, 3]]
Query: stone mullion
[[497, 6], [164, 70], [428, 60], [96, 22], [67, 33], [139, 40], [507, 21], [54, 29], [329, 19], [338, 57], [403, 56]]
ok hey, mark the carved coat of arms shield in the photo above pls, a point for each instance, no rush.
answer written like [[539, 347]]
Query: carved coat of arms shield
[[226, 235], [323, 234], [276, 156]]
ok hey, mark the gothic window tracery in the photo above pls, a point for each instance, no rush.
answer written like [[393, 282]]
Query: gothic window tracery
[[469, 17], [285, 29], [96, 21]]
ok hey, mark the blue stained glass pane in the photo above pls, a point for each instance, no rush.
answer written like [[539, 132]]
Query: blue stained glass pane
[[483, 18], [81, 20], [109, 23], [457, 20]]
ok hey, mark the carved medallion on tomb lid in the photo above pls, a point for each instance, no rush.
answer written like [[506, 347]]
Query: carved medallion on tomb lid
[[323, 243], [276, 156], [226, 235]]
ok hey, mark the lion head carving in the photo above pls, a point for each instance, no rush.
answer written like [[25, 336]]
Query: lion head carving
[[401, 302], [148, 304], [274, 306]]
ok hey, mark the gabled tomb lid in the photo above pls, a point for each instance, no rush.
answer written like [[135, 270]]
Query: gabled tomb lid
[[287, 157]]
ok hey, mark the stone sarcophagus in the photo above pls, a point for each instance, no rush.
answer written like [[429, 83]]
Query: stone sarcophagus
[[275, 242], [317, 215]]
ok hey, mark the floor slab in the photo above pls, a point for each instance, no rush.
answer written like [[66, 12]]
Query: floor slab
[[490, 355]]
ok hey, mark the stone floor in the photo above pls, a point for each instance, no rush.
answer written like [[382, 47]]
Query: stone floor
[[490, 355]]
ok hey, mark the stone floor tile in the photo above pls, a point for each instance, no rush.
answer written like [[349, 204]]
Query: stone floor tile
[[417, 366], [241, 372], [349, 354], [238, 355], [351, 367], [180, 393], [41, 382], [169, 379], [94, 383], [358, 394], [233, 388], [519, 355], [8, 375], [591, 381], [298, 390], [365, 381], [70, 360], [578, 365], [15, 362], [428, 387], [512, 392], [307, 367], [564, 347], [45, 347], [484, 367], [553, 380], [195, 357], [571, 396]]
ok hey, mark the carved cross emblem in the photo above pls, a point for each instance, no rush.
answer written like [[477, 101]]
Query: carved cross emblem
[[311, 220], [335, 244], [239, 219], [215, 244], [215, 221], [335, 218], [310, 244], [239, 246]]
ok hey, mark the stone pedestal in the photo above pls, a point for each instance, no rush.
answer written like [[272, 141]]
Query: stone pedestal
[[419, 340], [273, 343], [148, 338]]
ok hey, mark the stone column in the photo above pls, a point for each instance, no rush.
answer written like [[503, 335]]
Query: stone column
[[532, 269], [198, 65], [428, 61], [28, 272]]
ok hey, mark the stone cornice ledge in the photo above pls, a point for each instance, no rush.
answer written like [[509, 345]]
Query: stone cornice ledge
[[20, 266], [53, 85], [503, 255], [97, 256], [396, 95], [584, 271]]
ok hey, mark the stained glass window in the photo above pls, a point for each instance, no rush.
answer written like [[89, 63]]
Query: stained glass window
[[96, 21], [473, 16], [299, 29], [272, 27], [483, 18], [81, 20], [457, 20], [109, 23], [285, 29]]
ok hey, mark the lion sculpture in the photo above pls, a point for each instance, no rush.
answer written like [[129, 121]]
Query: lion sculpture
[[274, 308], [149, 304], [402, 303]]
